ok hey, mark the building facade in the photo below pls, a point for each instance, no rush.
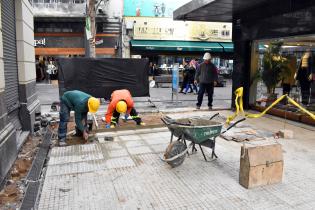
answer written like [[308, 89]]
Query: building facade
[[149, 31], [259, 24], [18, 98], [60, 28]]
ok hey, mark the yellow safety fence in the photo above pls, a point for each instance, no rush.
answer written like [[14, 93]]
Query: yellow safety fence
[[239, 106]]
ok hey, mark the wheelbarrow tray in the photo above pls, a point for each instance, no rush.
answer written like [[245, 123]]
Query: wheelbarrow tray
[[195, 130]]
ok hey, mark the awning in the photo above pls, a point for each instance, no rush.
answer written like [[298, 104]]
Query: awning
[[184, 46], [229, 10], [227, 46]]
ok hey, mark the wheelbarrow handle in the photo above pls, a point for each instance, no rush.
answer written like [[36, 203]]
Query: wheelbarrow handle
[[213, 116], [166, 122], [234, 124]]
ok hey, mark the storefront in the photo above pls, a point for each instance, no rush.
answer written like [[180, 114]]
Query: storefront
[[256, 25], [55, 38], [166, 42]]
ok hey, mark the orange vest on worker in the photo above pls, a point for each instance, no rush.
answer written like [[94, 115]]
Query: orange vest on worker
[[119, 95]]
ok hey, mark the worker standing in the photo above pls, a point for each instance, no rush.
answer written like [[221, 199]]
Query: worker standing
[[81, 103], [121, 102], [207, 75]]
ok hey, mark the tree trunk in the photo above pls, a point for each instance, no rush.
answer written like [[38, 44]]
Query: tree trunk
[[91, 13]]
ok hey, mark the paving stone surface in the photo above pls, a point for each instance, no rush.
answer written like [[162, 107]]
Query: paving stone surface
[[127, 173]]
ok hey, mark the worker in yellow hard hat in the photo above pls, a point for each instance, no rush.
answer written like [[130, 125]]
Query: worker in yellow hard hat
[[121, 102], [81, 103]]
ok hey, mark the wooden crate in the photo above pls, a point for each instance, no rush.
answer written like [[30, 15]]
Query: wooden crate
[[260, 165]]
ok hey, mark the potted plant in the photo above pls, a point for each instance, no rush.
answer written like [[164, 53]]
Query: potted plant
[[274, 69]]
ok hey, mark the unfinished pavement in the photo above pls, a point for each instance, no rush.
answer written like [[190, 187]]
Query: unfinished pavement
[[128, 173]]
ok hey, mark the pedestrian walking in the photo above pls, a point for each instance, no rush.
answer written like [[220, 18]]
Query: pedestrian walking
[[190, 78], [81, 103], [185, 77], [121, 102], [207, 75]]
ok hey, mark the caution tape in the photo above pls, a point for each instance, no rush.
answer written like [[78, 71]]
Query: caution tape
[[239, 106], [238, 103]]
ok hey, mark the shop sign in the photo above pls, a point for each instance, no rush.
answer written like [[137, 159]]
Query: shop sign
[[39, 42], [168, 29]]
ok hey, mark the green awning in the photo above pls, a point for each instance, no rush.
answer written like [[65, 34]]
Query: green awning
[[227, 46], [185, 46]]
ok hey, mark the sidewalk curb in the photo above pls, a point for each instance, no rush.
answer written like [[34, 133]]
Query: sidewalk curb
[[33, 180]]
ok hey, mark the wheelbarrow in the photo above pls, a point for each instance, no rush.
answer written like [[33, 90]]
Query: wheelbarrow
[[199, 132]]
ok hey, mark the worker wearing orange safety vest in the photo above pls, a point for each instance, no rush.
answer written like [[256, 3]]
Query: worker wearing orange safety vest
[[121, 102]]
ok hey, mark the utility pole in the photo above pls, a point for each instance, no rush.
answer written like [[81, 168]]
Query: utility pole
[[90, 31]]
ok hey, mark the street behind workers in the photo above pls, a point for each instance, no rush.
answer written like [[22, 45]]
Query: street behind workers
[[121, 102], [81, 103]]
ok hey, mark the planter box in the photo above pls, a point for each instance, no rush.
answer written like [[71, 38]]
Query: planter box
[[280, 113], [261, 165], [307, 120]]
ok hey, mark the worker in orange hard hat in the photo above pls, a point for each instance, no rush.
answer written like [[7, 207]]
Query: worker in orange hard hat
[[121, 102]]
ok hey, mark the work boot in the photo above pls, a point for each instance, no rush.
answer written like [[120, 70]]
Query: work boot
[[197, 107], [210, 107]]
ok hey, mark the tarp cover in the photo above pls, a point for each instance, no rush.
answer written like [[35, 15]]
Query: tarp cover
[[99, 77]]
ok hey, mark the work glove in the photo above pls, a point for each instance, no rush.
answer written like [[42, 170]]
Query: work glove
[[142, 124], [107, 126], [126, 117]]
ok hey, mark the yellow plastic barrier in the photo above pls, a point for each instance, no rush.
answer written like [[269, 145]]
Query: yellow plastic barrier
[[239, 106]]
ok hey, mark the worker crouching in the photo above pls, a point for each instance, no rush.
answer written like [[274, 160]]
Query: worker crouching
[[81, 103], [121, 102]]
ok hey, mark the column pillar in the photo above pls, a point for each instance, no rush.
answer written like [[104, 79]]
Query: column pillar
[[26, 63]]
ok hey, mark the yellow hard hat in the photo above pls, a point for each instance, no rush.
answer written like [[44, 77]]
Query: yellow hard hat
[[121, 107], [93, 104]]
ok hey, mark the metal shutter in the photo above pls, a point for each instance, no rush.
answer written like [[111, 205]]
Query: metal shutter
[[10, 61]]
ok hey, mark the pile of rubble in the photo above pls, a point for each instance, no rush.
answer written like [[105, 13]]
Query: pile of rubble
[[12, 193]]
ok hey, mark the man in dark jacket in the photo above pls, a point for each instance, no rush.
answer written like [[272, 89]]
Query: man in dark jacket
[[81, 103], [207, 75]]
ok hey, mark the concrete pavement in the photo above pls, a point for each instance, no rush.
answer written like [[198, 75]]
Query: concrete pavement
[[127, 173]]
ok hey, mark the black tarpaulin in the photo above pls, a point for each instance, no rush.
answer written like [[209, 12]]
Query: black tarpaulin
[[99, 77]]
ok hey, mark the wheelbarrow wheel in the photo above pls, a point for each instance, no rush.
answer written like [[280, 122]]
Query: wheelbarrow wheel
[[174, 149]]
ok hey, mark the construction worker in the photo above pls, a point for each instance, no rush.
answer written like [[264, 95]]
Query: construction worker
[[121, 102], [81, 103]]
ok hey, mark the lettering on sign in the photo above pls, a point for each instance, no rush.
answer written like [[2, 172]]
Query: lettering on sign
[[167, 29], [39, 42]]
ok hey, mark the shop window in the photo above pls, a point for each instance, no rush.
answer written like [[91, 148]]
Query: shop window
[[296, 77]]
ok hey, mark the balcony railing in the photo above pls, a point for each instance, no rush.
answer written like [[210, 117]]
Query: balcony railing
[[60, 8]]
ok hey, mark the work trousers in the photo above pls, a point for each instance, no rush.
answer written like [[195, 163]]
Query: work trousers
[[203, 87], [64, 116], [133, 114]]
